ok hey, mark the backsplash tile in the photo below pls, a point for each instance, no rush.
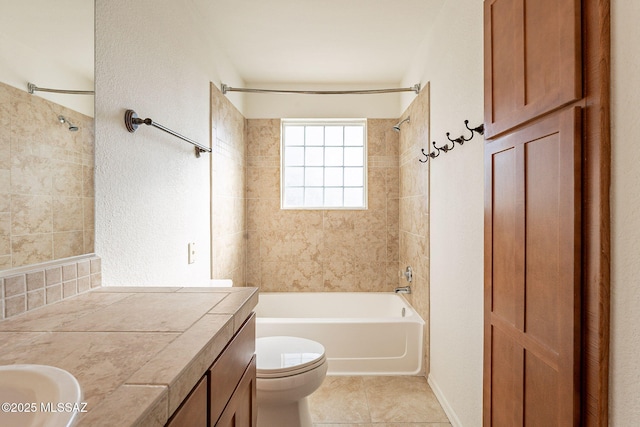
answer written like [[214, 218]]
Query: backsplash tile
[[35, 280], [46, 284]]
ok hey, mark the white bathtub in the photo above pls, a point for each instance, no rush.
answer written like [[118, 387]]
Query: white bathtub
[[363, 333]]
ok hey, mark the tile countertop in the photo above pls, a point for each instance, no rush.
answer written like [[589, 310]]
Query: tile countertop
[[136, 352]]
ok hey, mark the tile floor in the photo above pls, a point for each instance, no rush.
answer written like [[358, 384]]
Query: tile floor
[[376, 401]]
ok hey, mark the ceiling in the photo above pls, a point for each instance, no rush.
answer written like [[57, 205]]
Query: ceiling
[[320, 41]]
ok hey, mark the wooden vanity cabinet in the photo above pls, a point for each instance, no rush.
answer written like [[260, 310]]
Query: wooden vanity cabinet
[[226, 394], [193, 411]]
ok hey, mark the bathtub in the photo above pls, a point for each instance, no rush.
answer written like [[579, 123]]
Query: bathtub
[[364, 333]]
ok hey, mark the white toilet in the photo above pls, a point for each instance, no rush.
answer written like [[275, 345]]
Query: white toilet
[[288, 370]]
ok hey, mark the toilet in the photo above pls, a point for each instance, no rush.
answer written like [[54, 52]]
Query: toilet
[[288, 370]]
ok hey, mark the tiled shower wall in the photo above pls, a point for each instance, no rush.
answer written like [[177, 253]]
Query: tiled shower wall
[[228, 224], [414, 208], [322, 250], [46, 181]]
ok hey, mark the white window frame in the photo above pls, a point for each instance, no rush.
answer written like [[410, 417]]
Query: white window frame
[[322, 122]]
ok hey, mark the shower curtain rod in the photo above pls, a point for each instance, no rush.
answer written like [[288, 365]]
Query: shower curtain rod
[[415, 88], [33, 88]]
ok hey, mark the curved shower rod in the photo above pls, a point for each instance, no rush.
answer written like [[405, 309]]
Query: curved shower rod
[[33, 88], [415, 88]]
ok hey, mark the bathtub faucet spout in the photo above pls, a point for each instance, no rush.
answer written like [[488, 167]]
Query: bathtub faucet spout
[[403, 290]]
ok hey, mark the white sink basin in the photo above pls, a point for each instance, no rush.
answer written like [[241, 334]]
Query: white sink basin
[[38, 395]]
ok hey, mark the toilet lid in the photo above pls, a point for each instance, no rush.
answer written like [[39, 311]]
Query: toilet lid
[[285, 356]]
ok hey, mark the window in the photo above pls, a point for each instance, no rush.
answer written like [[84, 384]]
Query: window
[[324, 164]]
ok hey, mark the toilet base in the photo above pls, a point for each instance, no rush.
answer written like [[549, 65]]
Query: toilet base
[[289, 414]]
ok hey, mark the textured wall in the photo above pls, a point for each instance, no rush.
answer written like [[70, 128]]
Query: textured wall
[[414, 208], [625, 204], [152, 194], [321, 250], [228, 203], [454, 69], [46, 181]]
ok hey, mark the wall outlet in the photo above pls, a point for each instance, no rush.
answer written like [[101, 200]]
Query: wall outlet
[[192, 253]]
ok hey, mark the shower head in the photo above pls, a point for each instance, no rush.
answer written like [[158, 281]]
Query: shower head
[[397, 127], [72, 127]]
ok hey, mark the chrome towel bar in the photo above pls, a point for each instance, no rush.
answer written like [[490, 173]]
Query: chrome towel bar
[[132, 121]]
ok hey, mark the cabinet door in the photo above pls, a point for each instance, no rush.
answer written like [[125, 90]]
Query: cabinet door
[[229, 368], [194, 409], [241, 411], [532, 60], [532, 275]]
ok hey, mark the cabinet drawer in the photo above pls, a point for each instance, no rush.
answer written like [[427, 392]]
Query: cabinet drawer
[[227, 371]]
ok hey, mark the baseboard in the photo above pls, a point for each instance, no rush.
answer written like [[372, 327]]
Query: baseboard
[[453, 417]]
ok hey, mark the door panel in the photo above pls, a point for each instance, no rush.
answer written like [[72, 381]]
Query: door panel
[[532, 60], [507, 258], [532, 274]]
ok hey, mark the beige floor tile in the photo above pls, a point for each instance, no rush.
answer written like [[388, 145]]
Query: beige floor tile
[[402, 400], [346, 425], [385, 425], [412, 425], [340, 400]]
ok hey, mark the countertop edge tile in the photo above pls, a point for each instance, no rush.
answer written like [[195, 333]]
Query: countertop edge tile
[[183, 362], [139, 289], [122, 407]]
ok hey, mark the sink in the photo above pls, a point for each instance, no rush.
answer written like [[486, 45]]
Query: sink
[[38, 395]]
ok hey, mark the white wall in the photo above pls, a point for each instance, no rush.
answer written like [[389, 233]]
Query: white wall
[[49, 44], [152, 193], [456, 202], [625, 208], [452, 63]]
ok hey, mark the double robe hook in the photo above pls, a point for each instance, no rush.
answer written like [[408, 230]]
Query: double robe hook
[[446, 148]]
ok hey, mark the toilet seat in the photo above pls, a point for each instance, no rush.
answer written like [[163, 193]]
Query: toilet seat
[[279, 356]]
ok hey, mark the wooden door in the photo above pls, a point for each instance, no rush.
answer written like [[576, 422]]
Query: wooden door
[[544, 59], [532, 275]]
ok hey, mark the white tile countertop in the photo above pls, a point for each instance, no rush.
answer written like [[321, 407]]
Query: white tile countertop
[[137, 352]]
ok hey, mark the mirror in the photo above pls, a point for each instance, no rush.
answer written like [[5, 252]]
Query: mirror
[[46, 139]]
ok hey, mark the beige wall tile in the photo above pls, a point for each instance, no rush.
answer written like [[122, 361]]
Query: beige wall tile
[[228, 201], [5, 262], [88, 213], [35, 299], [35, 280], [88, 181], [68, 244], [30, 175], [5, 149], [40, 158], [5, 234], [15, 305], [53, 276], [323, 247], [31, 249], [68, 214], [53, 294], [5, 198], [15, 285], [31, 214], [67, 179]]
